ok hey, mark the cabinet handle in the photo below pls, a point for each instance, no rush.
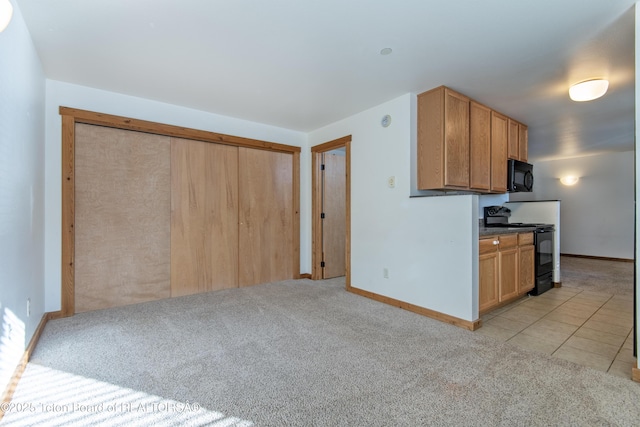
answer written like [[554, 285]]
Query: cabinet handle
[[496, 242]]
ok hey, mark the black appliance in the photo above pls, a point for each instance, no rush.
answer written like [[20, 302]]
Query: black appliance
[[498, 216], [519, 176]]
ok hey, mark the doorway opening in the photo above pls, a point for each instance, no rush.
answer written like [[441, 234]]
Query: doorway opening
[[331, 210]]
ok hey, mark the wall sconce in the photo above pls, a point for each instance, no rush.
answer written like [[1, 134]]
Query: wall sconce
[[569, 180], [588, 90], [6, 12]]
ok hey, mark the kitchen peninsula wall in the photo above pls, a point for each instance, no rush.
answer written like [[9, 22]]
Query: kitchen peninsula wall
[[423, 242]]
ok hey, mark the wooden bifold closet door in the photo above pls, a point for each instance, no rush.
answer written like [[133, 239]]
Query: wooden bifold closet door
[[204, 217], [267, 248], [158, 216], [122, 217]]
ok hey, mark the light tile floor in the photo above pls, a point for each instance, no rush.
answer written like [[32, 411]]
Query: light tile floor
[[588, 328]]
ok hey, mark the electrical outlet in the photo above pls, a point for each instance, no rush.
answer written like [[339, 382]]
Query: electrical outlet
[[28, 307], [385, 273]]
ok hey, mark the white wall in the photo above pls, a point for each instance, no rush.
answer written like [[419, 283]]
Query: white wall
[[637, 176], [491, 200], [597, 214], [429, 244], [22, 93], [68, 95]]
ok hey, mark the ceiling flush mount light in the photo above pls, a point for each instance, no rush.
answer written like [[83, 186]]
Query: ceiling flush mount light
[[569, 180], [588, 90], [6, 12], [386, 51]]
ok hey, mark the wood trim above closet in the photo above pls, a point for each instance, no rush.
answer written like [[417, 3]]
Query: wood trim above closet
[[100, 119]]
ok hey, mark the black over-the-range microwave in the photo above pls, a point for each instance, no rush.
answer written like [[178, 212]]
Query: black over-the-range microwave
[[519, 176]]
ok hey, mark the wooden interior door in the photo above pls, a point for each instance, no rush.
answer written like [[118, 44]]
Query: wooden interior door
[[334, 223], [122, 213], [204, 217], [266, 223]]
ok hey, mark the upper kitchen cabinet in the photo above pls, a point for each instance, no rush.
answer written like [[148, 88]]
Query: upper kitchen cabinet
[[499, 147], [480, 147], [514, 151], [518, 141], [443, 140], [523, 142], [464, 145]]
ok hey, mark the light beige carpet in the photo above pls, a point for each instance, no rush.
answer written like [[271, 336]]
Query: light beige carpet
[[300, 353]]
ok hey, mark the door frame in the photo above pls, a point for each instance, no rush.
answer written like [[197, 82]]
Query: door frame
[[316, 208], [71, 116]]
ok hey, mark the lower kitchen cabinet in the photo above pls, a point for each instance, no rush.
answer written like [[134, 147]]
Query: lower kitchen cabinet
[[489, 273], [506, 264], [526, 262], [508, 261]]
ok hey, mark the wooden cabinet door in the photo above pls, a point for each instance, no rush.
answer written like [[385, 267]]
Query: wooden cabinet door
[[443, 140], [499, 136], [513, 150], [204, 217], [479, 146], [488, 279], [523, 144], [266, 240], [430, 136], [526, 261], [508, 261], [456, 140]]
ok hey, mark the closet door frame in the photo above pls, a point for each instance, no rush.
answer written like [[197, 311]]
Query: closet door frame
[[71, 116]]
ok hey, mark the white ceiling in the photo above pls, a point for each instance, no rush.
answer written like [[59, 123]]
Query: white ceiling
[[302, 64]]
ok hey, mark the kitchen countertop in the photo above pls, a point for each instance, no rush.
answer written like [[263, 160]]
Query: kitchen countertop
[[494, 231]]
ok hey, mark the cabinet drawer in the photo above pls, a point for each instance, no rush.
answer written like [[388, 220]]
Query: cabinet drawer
[[508, 241], [525, 239], [488, 246]]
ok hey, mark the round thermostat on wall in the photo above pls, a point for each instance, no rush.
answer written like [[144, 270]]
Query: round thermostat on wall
[[386, 121]]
